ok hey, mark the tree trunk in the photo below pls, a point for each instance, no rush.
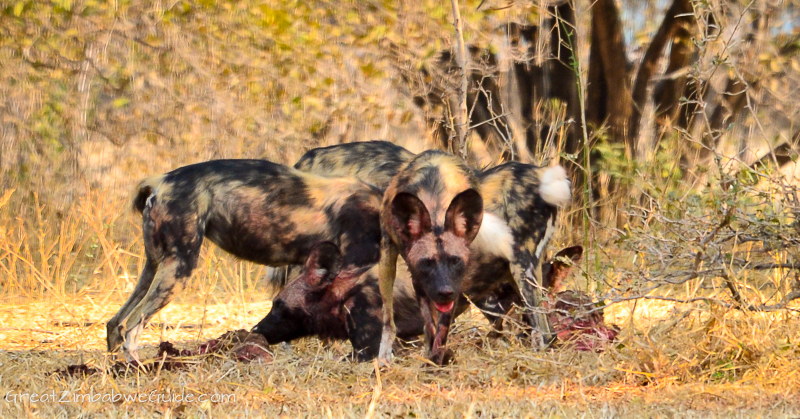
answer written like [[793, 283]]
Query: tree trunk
[[564, 79], [610, 53], [678, 17]]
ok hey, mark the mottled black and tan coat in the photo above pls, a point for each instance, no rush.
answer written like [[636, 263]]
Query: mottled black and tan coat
[[254, 209], [520, 207], [334, 304]]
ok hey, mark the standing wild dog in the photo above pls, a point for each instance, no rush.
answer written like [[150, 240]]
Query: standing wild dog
[[524, 200], [256, 210], [431, 213], [520, 214], [331, 303], [373, 162]]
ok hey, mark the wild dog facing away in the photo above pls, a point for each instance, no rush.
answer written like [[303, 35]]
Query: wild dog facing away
[[431, 213], [331, 304], [521, 202], [254, 209], [373, 162]]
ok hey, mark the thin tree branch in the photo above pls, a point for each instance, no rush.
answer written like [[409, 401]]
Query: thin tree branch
[[461, 117]]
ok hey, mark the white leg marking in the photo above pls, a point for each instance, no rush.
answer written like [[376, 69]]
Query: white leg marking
[[546, 239]]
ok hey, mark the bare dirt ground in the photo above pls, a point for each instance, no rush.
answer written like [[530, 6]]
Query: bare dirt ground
[[658, 373]]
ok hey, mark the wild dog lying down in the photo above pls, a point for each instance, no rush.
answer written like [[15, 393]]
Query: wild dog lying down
[[333, 304], [520, 215], [497, 304], [256, 210], [330, 302], [575, 317]]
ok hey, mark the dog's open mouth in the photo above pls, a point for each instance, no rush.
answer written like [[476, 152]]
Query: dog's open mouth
[[445, 307]]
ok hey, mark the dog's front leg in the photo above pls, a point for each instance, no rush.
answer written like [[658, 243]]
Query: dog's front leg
[[387, 272], [114, 338], [429, 323]]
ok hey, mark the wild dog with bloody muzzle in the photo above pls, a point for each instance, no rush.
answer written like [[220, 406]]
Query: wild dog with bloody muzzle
[[254, 209], [430, 214]]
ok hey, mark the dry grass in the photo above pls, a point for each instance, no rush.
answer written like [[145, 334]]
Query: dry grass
[[723, 366]]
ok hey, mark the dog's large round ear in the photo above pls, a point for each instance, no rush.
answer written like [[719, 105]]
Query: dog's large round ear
[[465, 214], [410, 218], [323, 264], [573, 253], [556, 270]]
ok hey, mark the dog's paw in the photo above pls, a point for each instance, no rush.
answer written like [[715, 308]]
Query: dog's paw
[[443, 356]]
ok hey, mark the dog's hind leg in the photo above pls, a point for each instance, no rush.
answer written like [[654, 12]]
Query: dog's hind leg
[[528, 273], [168, 281], [113, 332]]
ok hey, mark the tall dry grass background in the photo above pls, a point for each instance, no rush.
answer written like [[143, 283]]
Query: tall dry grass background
[[698, 274]]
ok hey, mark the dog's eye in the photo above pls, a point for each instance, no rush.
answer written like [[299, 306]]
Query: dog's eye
[[426, 264], [455, 262]]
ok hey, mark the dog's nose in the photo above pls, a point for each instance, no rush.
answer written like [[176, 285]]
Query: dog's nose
[[445, 294]]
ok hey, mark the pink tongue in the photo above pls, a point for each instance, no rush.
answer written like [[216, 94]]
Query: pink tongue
[[444, 308]]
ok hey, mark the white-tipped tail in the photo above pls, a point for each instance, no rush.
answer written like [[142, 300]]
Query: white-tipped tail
[[494, 237], [554, 186]]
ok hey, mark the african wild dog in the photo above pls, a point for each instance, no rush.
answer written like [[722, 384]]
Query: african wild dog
[[575, 316], [519, 219], [256, 210], [331, 303], [373, 162], [431, 213], [524, 200]]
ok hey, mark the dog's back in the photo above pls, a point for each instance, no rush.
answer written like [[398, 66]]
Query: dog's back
[[374, 162]]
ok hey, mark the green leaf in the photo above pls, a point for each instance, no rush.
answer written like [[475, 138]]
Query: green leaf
[[18, 8], [121, 102]]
